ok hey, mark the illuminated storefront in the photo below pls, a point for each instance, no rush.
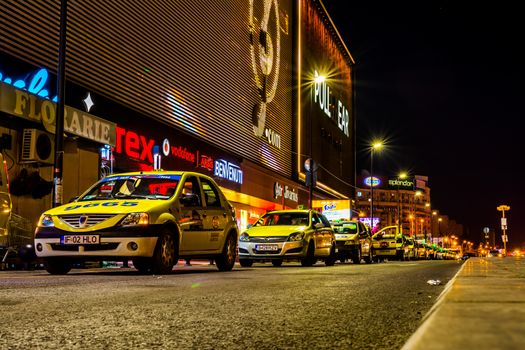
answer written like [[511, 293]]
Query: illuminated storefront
[[201, 86]]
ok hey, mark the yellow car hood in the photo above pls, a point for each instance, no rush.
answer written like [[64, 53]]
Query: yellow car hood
[[265, 231], [121, 206]]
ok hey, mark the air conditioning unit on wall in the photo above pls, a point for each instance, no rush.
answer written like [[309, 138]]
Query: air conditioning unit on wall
[[37, 147]]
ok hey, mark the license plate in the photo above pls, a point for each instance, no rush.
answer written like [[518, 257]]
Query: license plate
[[80, 239], [267, 247]]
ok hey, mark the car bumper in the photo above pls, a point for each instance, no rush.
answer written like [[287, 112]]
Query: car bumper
[[251, 250], [387, 252], [120, 242]]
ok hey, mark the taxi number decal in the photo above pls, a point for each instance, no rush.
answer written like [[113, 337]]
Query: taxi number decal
[[105, 204]]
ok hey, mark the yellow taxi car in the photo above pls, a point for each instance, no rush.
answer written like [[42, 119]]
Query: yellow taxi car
[[353, 241], [304, 235], [153, 218], [389, 243], [410, 251]]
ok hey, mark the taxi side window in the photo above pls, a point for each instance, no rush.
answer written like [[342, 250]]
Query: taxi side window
[[315, 219], [190, 196], [211, 194], [325, 221]]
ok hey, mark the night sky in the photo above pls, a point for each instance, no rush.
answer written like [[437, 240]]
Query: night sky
[[441, 81]]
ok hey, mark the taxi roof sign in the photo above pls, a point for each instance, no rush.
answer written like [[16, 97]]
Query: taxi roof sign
[[503, 207]]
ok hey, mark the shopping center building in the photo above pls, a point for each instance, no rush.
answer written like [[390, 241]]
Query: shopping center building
[[245, 92]]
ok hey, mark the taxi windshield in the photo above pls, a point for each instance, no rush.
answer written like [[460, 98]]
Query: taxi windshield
[[133, 186], [289, 219], [347, 227]]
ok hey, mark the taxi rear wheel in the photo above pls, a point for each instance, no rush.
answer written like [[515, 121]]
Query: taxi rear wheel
[[226, 260], [165, 254], [58, 266]]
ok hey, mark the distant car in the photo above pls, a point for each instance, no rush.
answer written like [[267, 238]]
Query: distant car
[[422, 251], [353, 241], [410, 249], [494, 253], [388, 243], [153, 218], [303, 235]]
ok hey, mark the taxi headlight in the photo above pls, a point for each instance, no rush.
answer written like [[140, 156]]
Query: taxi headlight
[[244, 237], [133, 219], [46, 221], [296, 236]]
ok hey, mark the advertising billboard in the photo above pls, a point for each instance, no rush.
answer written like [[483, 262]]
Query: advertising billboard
[[334, 209], [218, 70]]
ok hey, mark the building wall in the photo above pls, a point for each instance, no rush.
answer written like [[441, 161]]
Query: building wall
[[196, 65], [326, 121]]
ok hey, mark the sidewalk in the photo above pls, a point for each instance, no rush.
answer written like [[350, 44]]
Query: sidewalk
[[483, 307]]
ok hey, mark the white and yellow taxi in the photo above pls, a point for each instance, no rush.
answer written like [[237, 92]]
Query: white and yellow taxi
[[152, 218], [303, 235], [353, 241]]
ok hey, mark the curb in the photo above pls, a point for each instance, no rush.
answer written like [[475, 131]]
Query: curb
[[417, 335]]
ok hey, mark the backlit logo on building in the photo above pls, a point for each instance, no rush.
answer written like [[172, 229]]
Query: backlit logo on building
[[228, 171], [372, 181], [265, 49]]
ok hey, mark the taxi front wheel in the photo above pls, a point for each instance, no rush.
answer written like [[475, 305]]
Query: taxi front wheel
[[58, 266], [165, 254], [246, 262], [309, 259], [143, 265], [330, 260]]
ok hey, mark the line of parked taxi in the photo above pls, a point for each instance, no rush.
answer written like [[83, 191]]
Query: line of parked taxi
[[156, 218]]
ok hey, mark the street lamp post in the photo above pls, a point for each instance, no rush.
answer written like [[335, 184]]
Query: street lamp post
[[504, 237], [416, 194], [399, 207], [375, 146], [319, 79]]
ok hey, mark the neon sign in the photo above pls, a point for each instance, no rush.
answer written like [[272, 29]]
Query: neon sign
[[289, 193], [35, 86], [322, 98], [372, 181], [135, 145], [400, 183], [228, 171], [206, 162]]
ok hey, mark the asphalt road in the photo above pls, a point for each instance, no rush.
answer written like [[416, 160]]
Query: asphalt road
[[347, 306]]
